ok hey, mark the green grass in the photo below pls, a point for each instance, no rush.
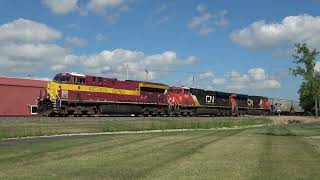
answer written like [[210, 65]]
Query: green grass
[[37, 126], [269, 152]]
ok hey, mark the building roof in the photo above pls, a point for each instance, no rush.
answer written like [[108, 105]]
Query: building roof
[[11, 81]]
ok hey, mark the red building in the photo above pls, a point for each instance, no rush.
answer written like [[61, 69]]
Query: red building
[[19, 96]]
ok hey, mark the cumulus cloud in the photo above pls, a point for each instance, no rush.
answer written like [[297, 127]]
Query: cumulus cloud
[[26, 45], [218, 81], [206, 75], [204, 80], [42, 54], [116, 61], [292, 29], [206, 22], [61, 7], [255, 78], [26, 31], [101, 5], [76, 41], [257, 73], [111, 9]]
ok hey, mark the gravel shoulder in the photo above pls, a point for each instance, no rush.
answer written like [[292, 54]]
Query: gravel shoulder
[[288, 119]]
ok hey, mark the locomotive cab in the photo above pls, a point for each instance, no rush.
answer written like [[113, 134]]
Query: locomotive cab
[[70, 78], [179, 96]]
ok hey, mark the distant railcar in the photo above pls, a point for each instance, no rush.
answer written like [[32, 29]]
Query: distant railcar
[[285, 107]]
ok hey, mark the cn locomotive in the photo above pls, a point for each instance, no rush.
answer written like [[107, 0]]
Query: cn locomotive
[[78, 95]]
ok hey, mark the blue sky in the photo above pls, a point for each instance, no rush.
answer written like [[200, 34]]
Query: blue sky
[[237, 46]]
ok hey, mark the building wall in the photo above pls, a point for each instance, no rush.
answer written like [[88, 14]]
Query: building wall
[[18, 95]]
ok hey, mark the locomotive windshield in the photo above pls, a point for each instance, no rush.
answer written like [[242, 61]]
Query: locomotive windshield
[[62, 79], [186, 91], [174, 91]]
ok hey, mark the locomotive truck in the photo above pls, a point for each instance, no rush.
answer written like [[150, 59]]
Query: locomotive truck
[[78, 95]]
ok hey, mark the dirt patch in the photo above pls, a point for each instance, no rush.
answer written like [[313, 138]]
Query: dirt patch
[[314, 137], [294, 119]]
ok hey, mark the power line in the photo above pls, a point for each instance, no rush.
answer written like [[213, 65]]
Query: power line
[[200, 72]]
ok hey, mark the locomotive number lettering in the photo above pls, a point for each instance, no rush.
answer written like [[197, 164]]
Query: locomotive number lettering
[[209, 99], [250, 102], [260, 104]]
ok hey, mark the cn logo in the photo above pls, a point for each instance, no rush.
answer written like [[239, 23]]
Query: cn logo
[[209, 99], [172, 100], [250, 102]]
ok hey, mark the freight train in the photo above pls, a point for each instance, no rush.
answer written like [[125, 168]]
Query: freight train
[[77, 95]]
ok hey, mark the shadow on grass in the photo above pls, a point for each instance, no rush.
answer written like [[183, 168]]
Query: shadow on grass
[[277, 134]]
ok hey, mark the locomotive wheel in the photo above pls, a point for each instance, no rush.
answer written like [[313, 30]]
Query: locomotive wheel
[[184, 113]]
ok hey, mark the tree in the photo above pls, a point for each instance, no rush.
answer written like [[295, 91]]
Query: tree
[[306, 99], [310, 87]]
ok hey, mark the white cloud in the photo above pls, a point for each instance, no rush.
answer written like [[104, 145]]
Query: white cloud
[[206, 75], [257, 73], [43, 54], [254, 79], [26, 45], [218, 81], [292, 29], [270, 83], [76, 41], [206, 22], [111, 9], [102, 37], [101, 5], [61, 7], [115, 63], [24, 31], [30, 57]]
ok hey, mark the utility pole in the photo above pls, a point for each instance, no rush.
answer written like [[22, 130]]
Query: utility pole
[[147, 72], [127, 72], [192, 80]]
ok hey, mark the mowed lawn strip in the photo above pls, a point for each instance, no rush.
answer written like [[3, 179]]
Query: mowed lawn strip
[[271, 152], [39, 126]]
